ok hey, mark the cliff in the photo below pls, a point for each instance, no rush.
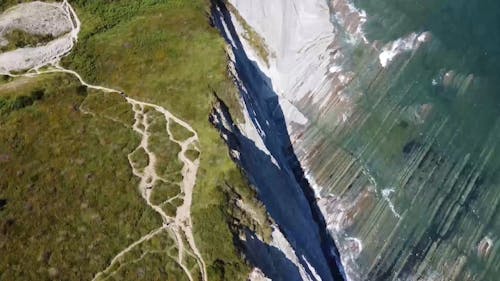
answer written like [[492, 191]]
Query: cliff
[[383, 130]]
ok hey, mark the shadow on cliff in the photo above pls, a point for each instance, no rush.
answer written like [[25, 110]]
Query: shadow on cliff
[[273, 263], [275, 173]]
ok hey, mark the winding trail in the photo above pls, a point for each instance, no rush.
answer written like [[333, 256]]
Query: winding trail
[[180, 226]]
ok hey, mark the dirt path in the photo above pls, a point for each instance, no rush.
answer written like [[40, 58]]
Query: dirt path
[[180, 226]]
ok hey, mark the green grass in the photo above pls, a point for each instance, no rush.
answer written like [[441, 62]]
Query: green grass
[[164, 191], [164, 52], [8, 104], [110, 106], [139, 159], [156, 50], [192, 154], [169, 209], [20, 39], [19, 93], [169, 55], [5, 4], [168, 165], [179, 133], [251, 36], [149, 261], [72, 202]]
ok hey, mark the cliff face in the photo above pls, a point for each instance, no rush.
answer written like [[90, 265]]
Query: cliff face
[[301, 249], [396, 135]]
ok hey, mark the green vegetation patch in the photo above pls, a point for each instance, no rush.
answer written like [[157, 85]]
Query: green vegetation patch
[[5, 4], [163, 191], [149, 260], [68, 186], [20, 93], [168, 165], [253, 38], [20, 39], [153, 266], [179, 133], [139, 159], [169, 209], [192, 154], [19, 102], [111, 106]]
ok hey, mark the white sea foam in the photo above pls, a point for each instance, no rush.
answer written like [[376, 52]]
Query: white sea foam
[[344, 78], [357, 248], [359, 33], [408, 43], [386, 194], [335, 69], [314, 185]]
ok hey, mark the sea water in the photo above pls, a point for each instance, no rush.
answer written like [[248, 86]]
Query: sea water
[[409, 147]]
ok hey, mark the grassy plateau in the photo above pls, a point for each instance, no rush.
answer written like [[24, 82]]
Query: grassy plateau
[[68, 199]]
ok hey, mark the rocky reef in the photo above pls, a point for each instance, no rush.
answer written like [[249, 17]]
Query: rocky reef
[[396, 136]]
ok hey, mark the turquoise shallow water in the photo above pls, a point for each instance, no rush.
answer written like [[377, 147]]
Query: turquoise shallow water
[[417, 164]]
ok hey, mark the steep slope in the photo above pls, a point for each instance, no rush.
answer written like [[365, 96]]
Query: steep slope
[[394, 128], [264, 152]]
